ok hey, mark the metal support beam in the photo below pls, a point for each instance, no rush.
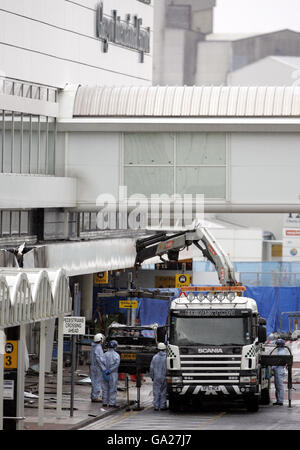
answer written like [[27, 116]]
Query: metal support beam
[[21, 377], [59, 366], [42, 372]]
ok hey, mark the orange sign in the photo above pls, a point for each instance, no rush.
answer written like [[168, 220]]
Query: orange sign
[[11, 355]]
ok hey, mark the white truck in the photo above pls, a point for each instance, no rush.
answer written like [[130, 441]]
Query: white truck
[[216, 336], [216, 339]]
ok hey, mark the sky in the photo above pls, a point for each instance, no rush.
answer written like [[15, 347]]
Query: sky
[[246, 16]]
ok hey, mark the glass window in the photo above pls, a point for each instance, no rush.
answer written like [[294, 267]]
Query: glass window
[[149, 148], [5, 222], [197, 331], [201, 149], [197, 161], [149, 180], [24, 227], [210, 181], [15, 222]]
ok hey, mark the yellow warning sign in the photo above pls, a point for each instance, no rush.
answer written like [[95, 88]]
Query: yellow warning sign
[[183, 279], [129, 304], [11, 355], [101, 278]]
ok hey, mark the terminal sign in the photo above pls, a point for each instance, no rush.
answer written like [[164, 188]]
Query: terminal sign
[[74, 325]]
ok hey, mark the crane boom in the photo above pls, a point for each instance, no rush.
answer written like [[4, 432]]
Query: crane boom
[[162, 244]]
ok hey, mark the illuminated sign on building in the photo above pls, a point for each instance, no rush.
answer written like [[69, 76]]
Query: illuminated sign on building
[[128, 33]]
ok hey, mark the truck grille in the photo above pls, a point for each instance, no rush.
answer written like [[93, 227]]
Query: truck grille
[[210, 368]]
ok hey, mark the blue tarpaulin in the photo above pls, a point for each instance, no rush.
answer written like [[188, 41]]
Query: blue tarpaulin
[[149, 310], [272, 302], [155, 310]]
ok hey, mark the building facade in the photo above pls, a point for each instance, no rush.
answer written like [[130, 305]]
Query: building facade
[[46, 49], [187, 51]]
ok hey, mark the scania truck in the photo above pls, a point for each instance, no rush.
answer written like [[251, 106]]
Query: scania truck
[[216, 336], [216, 339]]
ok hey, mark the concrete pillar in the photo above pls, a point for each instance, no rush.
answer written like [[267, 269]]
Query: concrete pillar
[[86, 288]]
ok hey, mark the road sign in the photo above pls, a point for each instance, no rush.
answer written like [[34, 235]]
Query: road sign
[[11, 355], [182, 279], [8, 389], [101, 278], [129, 304], [74, 325]]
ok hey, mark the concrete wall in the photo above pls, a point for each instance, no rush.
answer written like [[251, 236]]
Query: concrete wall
[[177, 32], [54, 42], [266, 222], [94, 160], [213, 62], [174, 58], [216, 59], [246, 51], [264, 167], [265, 72]]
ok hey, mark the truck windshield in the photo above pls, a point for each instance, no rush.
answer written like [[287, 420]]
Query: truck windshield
[[209, 331]]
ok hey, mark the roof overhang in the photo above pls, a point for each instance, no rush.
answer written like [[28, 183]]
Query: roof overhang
[[191, 124]]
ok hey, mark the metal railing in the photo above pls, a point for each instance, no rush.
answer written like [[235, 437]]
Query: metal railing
[[21, 88], [270, 279]]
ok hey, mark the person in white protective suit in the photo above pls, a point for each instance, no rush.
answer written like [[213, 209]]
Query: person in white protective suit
[[95, 366], [279, 372], [158, 370], [110, 362]]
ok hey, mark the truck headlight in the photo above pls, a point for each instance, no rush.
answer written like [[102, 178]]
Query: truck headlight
[[231, 296], [210, 296], [174, 380], [245, 379], [252, 379]]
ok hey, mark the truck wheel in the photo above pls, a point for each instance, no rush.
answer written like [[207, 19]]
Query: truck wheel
[[265, 397], [252, 404], [174, 404]]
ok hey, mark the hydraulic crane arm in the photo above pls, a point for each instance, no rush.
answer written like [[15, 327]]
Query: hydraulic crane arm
[[162, 244]]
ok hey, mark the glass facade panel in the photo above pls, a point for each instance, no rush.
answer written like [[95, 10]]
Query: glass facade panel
[[180, 163], [201, 149], [210, 181], [149, 180], [149, 148]]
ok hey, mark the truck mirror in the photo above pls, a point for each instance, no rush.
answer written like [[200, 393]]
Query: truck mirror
[[262, 334], [161, 334]]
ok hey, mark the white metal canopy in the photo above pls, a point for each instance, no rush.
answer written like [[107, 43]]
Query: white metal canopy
[[29, 295]]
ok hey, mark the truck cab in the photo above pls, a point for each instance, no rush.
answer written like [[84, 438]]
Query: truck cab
[[216, 338]]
